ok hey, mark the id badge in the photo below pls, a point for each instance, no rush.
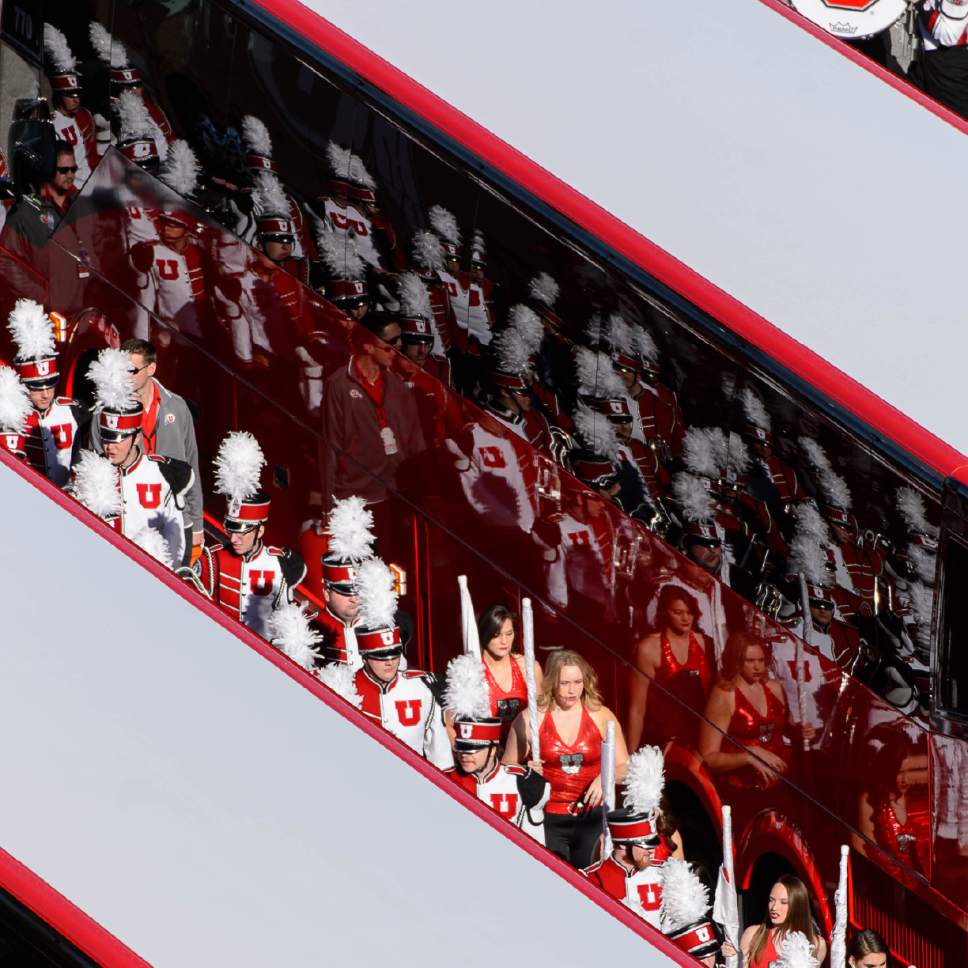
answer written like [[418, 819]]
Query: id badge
[[389, 441]]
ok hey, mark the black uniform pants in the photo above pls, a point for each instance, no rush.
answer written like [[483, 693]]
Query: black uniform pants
[[574, 839]]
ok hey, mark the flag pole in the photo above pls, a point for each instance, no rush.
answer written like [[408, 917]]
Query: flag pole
[[468, 620], [527, 636]]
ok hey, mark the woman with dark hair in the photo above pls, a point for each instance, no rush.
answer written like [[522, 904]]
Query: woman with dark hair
[[886, 814], [788, 910], [573, 722], [748, 705], [867, 950], [503, 668], [677, 657]]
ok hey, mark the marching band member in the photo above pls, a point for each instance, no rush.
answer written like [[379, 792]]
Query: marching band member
[[517, 793], [569, 748], [684, 914], [246, 578], [15, 408], [55, 425], [403, 702], [151, 488]]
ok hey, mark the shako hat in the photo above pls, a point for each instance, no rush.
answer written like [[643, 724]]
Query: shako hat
[[238, 469]]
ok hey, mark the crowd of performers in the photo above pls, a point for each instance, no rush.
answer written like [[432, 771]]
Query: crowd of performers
[[772, 519]]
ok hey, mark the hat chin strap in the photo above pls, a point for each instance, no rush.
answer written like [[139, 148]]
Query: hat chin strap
[[488, 763]]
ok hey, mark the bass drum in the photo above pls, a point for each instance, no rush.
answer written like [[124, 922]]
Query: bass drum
[[852, 19]]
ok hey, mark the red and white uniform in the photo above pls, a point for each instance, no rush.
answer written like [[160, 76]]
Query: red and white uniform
[[52, 439], [339, 640], [939, 29], [517, 793], [174, 284], [80, 133], [407, 707], [138, 223], [581, 553], [250, 587], [640, 891], [153, 493], [658, 416], [345, 221], [469, 306]]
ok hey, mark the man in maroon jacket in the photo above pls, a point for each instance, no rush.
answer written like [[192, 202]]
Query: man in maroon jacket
[[370, 418]]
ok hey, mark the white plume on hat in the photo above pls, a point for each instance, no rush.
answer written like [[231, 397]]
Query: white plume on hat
[[414, 298], [910, 505], [340, 255], [644, 344], [511, 351], [180, 170], [428, 253], [620, 334], [95, 485], [31, 330], [114, 55], [268, 195], [703, 449], [755, 410], [376, 589], [644, 780], [527, 322], [238, 466], [736, 457], [924, 562], [350, 529], [290, 632], [340, 160], [692, 495], [342, 680], [811, 538], [595, 431], [55, 43], [597, 330], [358, 173], [255, 136], [15, 404], [113, 383], [444, 223], [596, 375], [465, 694], [685, 899], [796, 951], [136, 122], [544, 289], [155, 544], [833, 487]]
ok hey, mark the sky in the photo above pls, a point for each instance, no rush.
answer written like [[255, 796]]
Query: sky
[[775, 167]]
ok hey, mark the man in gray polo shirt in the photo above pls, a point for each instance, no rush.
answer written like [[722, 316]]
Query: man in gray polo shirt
[[167, 429]]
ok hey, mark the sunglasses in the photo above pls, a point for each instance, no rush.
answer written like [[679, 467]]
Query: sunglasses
[[64, 169], [135, 370]]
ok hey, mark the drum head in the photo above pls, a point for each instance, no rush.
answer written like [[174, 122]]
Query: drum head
[[852, 19]]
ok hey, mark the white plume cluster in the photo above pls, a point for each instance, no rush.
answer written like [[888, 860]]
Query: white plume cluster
[[95, 485], [755, 410], [238, 466], [811, 538], [511, 351], [810, 522], [268, 195], [136, 122], [645, 344], [180, 170], [350, 527], [910, 505], [255, 136], [155, 544], [527, 322], [113, 383], [795, 951], [14, 403], [544, 289], [685, 899], [692, 495], [103, 45], [340, 256], [923, 561], [597, 332], [444, 224], [709, 452], [290, 632], [376, 589], [340, 160], [595, 431], [736, 457], [59, 51], [31, 330], [596, 375], [465, 694], [833, 487], [358, 173], [414, 298], [428, 252], [341, 679], [621, 334], [644, 780], [919, 597]]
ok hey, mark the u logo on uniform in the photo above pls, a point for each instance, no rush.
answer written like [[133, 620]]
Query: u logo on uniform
[[408, 711], [506, 804], [261, 582], [149, 495]]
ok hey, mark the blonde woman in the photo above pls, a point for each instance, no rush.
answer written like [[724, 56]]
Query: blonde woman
[[572, 723]]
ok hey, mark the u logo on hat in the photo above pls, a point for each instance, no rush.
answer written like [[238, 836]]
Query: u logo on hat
[[466, 730], [43, 367], [111, 421], [386, 636]]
